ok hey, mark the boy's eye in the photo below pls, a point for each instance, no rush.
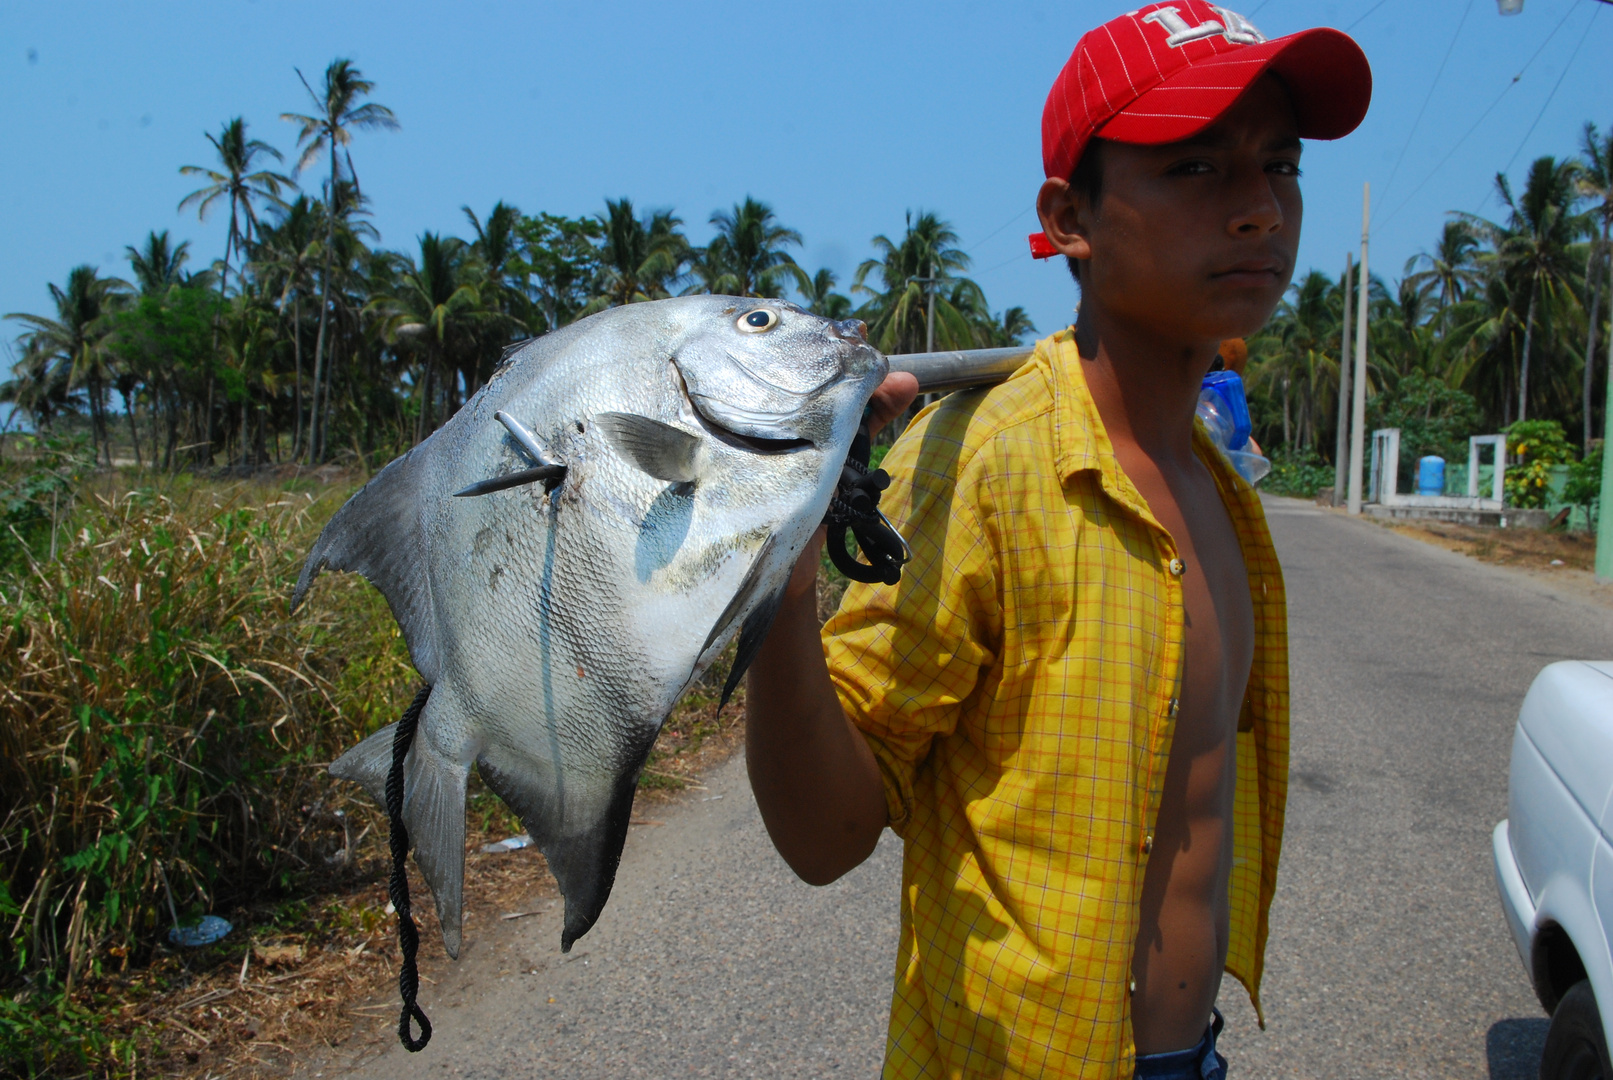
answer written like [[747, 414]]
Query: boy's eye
[[1285, 168], [1190, 168]]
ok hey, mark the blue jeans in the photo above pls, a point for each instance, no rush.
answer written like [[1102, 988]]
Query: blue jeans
[[1199, 1062]]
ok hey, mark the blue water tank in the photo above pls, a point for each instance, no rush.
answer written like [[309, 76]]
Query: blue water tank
[[1431, 475]]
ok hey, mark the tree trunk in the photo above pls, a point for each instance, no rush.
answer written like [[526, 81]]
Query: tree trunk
[[1590, 346], [1287, 443], [296, 387], [1528, 341], [134, 433]]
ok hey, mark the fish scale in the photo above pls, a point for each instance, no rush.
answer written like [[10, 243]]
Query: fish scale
[[689, 447]]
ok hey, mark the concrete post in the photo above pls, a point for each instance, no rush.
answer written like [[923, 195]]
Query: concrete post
[[1358, 395]]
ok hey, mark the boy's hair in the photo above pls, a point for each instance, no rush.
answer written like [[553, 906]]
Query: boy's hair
[[1087, 180]]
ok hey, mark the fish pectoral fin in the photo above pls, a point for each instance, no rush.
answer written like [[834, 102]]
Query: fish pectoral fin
[[550, 475], [665, 452]]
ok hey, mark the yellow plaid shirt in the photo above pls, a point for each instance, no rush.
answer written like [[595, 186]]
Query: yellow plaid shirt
[[1016, 688]]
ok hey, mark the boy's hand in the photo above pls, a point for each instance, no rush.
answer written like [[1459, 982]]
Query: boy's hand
[[890, 400]]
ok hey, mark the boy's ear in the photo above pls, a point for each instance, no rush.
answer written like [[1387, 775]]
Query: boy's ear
[[1065, 214]]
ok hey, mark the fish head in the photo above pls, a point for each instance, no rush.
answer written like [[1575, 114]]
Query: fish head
[[772, 375]]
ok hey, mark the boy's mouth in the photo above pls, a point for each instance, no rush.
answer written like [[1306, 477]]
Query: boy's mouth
[[1251, 272]]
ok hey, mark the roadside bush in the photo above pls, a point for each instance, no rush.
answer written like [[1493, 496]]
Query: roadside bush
[[1533, 447], [1584, 487], [1297, 473], [164, 723]]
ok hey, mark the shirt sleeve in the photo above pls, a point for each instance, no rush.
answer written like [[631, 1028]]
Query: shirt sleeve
[[904, 658]]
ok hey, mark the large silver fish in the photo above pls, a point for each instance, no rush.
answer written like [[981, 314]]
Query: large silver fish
[[644, 481]]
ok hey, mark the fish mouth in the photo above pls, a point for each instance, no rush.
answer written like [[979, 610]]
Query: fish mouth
[[756, 444]]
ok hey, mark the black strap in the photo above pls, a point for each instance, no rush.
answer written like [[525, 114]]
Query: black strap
[[855, 506], [408, 935]]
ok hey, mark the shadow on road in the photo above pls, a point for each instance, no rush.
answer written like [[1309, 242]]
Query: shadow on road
[[1513, 1048]]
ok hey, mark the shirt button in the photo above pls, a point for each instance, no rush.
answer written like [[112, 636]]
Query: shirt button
[[1176, 707], [1148, 845], [1177, 567]]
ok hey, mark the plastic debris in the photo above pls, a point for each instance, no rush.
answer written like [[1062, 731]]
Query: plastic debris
[[205, 931], [514, 843]]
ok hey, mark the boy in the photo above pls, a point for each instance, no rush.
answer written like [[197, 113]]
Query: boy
[[1074, 706]]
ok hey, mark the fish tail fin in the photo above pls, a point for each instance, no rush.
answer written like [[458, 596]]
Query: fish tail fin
[[368, 762], [433, 812]]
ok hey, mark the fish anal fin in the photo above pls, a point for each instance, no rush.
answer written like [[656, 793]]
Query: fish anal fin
[[377, 533], [579, 822], [751, 636], [661, 450]]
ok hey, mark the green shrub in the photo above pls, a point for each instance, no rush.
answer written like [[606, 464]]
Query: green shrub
[[1297, 473], [164, 721], [1533, 447]]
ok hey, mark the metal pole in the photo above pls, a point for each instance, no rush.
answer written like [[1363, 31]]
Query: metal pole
[[1358, 405], [929, 317], [1604, 519], [1342, 443]]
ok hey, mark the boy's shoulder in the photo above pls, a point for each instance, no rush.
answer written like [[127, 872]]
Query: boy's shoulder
[[984, 428]]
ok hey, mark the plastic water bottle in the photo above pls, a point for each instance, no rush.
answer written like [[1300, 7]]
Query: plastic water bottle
[[1225, 413]]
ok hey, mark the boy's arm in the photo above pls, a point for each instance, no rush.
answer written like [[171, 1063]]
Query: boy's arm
[[815, 779]]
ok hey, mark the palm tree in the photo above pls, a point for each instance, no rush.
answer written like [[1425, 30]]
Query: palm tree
[[921, 267], [640, 256], [752, 246], [287, 252], [1296, 354], [436, 309], [239, 183], [1452, 270], [338, 113], [1533, 246], [158, 266], [1596, 183], [821, 298], [70, 350]]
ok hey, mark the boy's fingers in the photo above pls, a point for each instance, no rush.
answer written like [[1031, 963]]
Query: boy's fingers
[[892, 398]]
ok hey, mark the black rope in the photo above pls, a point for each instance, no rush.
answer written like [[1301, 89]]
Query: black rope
[[855, 506], [408, 935]]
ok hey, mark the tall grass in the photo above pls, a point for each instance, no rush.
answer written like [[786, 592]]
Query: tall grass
[[163, 720]]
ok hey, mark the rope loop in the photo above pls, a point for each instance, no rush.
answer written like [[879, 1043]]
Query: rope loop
[[398, 886]]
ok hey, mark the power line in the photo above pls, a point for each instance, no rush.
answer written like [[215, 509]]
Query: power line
[[999, 229], [1594, 13], [1482, 116], [1365, 17], [1430, 96]]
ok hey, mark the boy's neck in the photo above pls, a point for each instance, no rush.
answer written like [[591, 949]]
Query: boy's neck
[[1146, 388]]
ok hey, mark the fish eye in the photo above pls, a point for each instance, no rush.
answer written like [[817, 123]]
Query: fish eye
[[758, 321]]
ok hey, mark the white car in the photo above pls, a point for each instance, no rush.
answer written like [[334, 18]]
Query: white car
[[1554, 861]]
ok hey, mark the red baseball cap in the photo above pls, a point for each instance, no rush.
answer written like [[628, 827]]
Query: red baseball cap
[[1166, 71]]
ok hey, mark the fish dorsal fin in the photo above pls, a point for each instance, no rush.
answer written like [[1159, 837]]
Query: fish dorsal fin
[[378, 533], [665, 452]]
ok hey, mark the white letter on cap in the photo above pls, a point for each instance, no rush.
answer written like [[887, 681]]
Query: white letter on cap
[[1239, 31], [1176, 26]]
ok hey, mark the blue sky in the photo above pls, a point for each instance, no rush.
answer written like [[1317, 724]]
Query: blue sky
[[842, 116]]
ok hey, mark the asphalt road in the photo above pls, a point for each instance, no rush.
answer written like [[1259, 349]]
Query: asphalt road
[[1388, 954]]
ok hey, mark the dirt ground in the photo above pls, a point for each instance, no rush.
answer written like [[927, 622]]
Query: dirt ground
[[1541, 549], [306, 971]]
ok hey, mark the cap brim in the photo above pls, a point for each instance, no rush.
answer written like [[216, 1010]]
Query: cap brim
[[1325, 71]]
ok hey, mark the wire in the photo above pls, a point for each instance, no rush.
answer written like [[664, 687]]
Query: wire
[[999, 228], [1365, 17], [1482, 116], [1429, 97], [1594, 13]]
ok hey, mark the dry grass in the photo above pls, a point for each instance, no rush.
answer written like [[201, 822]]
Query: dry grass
[[1527, 548]]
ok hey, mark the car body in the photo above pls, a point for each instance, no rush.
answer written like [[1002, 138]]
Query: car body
[[1553, 854]]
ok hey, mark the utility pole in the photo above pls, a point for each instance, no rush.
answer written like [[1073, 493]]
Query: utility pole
[[1604, 519], [929, 315], [1342, 443], [1358, 395]]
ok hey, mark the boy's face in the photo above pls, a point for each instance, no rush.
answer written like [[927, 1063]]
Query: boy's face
[[1195, 240]]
